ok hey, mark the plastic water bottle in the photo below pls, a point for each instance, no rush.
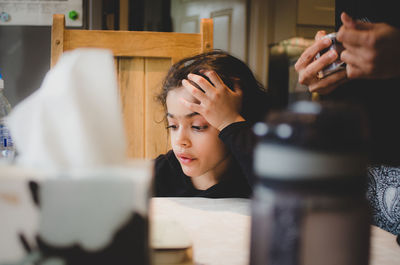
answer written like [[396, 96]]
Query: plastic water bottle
[[7, 150]]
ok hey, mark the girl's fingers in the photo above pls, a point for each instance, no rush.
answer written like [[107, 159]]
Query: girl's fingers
[[202, 83], [215, 79], [196, 92], [219, 83], [194, 107]]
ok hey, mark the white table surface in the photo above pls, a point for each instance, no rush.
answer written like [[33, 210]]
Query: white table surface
[[220, 230]]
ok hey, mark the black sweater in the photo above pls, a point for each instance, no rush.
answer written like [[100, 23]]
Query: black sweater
[[170, 181]]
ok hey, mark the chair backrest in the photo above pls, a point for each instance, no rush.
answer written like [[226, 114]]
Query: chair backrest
[[142, 60]]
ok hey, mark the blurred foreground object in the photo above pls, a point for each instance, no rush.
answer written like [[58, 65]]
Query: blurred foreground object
[[84, 216], [75, 118], [309, 203], [72, 196]]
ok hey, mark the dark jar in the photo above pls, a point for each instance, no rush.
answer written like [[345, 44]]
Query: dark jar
[[309, 205]]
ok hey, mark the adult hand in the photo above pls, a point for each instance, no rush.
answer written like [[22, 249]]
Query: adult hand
[[371, 49], [308, 67], [219, 105]]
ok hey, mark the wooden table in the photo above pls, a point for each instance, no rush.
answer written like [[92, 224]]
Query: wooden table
[[220, 230]]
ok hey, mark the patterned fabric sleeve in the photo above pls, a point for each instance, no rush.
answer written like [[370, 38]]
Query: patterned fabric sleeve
[[384, 196]]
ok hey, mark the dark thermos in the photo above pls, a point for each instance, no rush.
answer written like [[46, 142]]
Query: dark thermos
[[309, 205]]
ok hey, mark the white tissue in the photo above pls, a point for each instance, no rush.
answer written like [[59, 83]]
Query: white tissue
[[88, 208], [75, 118]]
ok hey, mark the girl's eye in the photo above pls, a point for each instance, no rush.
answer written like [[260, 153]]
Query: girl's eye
[[171, 127], [199, 128]]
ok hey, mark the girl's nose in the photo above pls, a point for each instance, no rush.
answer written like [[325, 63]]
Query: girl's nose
[[182, 138]]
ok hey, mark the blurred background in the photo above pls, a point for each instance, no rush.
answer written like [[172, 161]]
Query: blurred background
[[268, 35]]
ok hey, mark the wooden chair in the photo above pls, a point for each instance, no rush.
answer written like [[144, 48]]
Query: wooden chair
[[142, 60]]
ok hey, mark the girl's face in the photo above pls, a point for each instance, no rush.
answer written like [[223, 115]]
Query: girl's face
[[194, 141]]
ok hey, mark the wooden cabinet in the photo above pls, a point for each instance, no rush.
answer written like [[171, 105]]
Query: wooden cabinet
[[314, 15], [316, 12]]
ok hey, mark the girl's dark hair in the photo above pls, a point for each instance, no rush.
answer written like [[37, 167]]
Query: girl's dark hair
[[255, 101]]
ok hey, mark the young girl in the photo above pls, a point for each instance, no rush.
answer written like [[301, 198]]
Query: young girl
[[201, 161]]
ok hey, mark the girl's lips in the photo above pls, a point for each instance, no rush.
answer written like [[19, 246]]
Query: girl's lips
[[184, 159]]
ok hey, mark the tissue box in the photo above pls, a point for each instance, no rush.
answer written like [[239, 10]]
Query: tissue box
[[19, 214], [85, 216]]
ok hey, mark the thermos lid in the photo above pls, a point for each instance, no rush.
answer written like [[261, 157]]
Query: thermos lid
[[311, 140]]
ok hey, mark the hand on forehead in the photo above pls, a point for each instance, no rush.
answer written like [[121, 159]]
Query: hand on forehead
[[175, 106], [181, 92]]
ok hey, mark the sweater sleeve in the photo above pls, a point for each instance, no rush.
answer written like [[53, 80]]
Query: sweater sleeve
[[240, 140]]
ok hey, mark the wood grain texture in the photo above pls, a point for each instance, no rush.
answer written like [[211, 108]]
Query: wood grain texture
[[57, 38], [142, 60], [131, 78], [206, 33], [133, 43], [156, 138]]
